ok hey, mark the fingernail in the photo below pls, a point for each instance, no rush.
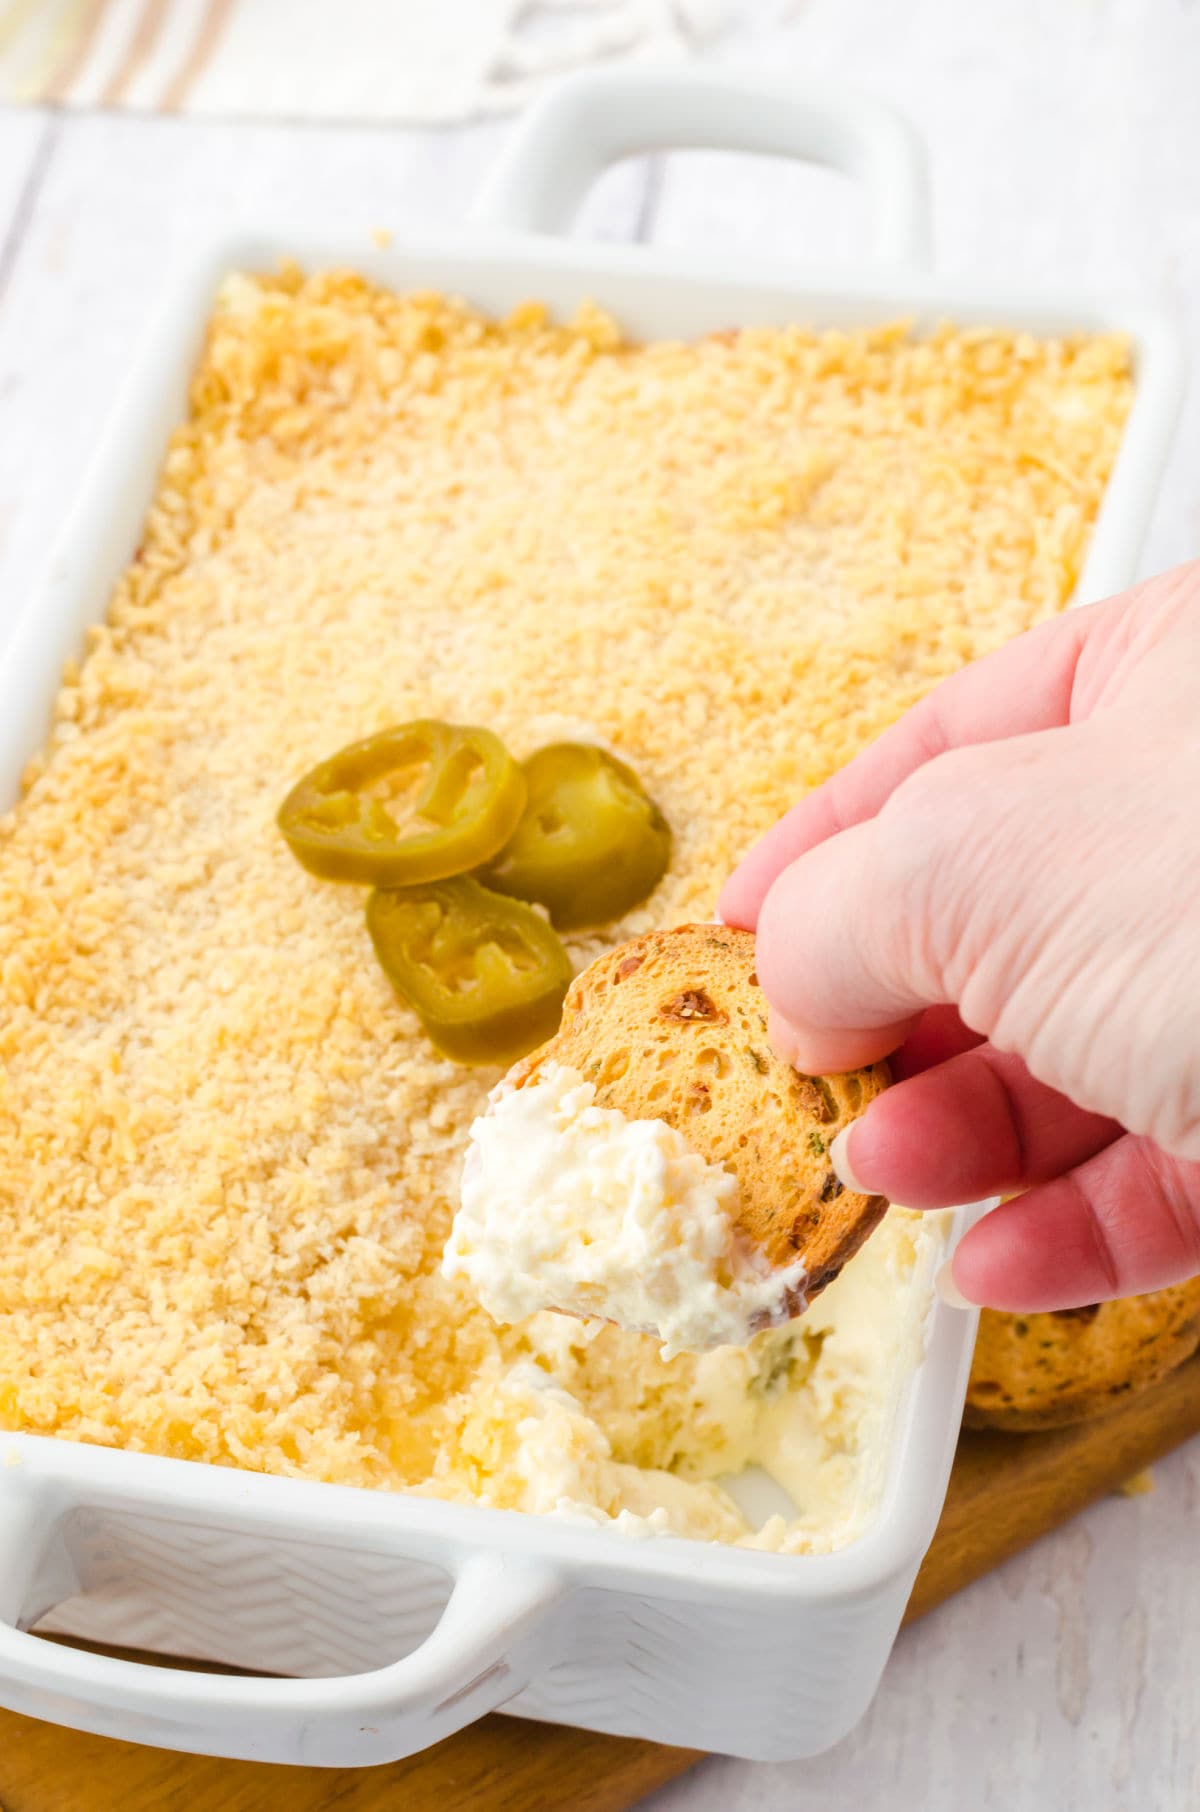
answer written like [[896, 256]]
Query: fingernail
[[948, 1290], [843, 1169]]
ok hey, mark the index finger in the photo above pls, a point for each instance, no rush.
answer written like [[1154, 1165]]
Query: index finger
[[1024, 686]]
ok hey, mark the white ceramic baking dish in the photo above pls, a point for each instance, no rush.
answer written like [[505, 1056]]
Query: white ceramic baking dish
[[409, 1618]]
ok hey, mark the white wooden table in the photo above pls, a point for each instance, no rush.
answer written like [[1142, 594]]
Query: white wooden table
[[1065, 140]]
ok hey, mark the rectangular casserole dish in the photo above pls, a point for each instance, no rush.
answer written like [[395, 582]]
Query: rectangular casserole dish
[[405, 1618]]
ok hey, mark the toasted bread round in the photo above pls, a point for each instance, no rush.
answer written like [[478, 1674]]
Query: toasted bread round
[[673, 1026], [1049, 1370]]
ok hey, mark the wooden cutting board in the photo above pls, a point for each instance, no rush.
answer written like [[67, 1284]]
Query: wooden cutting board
[[1006, 1490]]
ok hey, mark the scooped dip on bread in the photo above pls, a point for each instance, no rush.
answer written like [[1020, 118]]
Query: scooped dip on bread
[[655, 1164], [572, 1206]]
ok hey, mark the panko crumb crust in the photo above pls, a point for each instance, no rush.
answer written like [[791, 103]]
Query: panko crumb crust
[[228, 1158]]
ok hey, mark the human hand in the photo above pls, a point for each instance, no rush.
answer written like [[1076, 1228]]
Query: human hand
[[1003, 891]]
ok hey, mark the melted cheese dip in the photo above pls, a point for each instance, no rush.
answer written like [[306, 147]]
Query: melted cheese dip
[[566, 1205]]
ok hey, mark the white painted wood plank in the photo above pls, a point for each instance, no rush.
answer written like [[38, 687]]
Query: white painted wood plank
[[20, 133], [121, 200], [22, 139]]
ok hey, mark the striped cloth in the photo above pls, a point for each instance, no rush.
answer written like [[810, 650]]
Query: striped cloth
[[413, 60]]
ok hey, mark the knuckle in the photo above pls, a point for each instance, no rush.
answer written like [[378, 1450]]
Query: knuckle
[[1177, 1188]]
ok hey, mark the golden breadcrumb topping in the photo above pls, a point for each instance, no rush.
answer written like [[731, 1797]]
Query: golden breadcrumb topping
[[228, 1158]]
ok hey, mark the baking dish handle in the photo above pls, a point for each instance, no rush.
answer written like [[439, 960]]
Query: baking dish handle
[[600, 116], [498, 1625]]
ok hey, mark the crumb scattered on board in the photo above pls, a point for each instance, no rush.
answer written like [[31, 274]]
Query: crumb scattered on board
[[1139, 1485]]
